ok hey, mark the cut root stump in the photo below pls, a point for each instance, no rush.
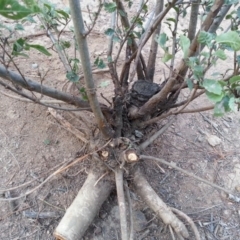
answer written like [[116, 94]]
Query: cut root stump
[[157, 205]]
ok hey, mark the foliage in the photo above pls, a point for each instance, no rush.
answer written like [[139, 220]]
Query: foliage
[[223, 91]]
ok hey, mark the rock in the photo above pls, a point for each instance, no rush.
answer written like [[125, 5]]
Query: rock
[[226, 214], [139, 221], [34, 65], [237, 188], [213, 140]]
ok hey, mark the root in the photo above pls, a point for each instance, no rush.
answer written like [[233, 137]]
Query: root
[[121, 203], [157, 205], [189, 220], [86, 205], [69, 127]]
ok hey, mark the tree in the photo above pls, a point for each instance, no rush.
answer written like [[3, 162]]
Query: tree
[[134, 107]]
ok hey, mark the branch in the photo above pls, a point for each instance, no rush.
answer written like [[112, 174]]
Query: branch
[[182, 68], [76, 13], [217, 21], [156, 135], [126, 25], [95, 17], [193, 19], [155, 24], [154, 44], [37, 87]]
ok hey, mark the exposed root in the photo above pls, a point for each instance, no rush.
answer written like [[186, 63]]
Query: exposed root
[[131, 230], [189, 220], [157, 205], [121, 203], [68, 126], [86, 205], [156, 135]]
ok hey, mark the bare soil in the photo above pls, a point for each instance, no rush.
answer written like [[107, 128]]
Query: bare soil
[[33, 144]]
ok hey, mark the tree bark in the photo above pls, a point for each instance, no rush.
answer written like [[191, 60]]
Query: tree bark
[[76, 14], [39, 88], [154, 44], [85, 207]]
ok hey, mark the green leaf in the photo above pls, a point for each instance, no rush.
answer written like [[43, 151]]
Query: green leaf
[[18, 46], [214, 97], [238, 12], [189, 83], [83, 93], [234, 79], [221, 54], [231, 39], [212, 86], [171, 20], [232, 104], [238, 59], [222, 107], [14, 10], [167, 56], [99, 63], [104, 84], [47, 142], [184, 44], [64, 14], [205, 37], [162, 39], [72, 76], [109, 32], [65, 44], [40, 49], [198, 71], [110, 7], [19, 26]]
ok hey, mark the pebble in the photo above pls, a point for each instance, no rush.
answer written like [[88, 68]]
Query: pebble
[[237, 188], [139, 220], [213, 140], [34, 65]]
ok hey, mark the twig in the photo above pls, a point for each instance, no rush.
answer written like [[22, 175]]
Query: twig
[[121, 203], [189, 220], [171, 232], [36, 215], [95, 17], [185, 172], [45, 101], [153, 120], [100, 179], [49, 204], [27, 98], [215, 127], [68, 126], [61, 169], [156, 135]]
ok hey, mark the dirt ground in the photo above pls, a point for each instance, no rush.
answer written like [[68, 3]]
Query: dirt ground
[[33, 144]]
